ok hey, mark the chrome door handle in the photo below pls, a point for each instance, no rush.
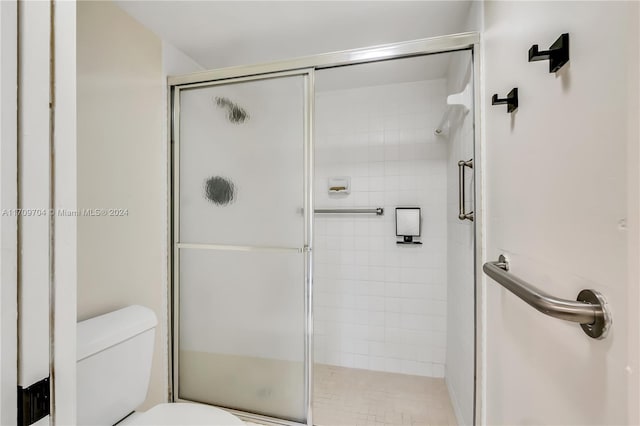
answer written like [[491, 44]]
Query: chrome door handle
[[462, 215]]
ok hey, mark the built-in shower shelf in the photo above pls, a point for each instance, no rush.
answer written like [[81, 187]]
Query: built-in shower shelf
[[462, 100]]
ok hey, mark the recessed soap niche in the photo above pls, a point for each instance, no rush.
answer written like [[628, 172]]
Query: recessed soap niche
[[339, 185]]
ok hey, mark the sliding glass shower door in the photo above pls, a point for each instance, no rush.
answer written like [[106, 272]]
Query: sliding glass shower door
[[242, 219]]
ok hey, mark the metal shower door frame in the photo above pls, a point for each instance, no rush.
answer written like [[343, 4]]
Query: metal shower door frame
[[176, 243], [306, 66]]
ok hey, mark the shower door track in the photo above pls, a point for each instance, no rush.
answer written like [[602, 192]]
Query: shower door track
[[384, 52], [308, 64]]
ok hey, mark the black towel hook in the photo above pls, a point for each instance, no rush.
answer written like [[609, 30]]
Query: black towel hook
[[558, 53], [511, 100]]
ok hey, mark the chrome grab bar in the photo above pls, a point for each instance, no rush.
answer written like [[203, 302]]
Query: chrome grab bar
[[378, 211], [462, 215], [589, 309]]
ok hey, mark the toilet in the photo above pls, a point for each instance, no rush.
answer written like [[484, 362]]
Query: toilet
[[114, 353]]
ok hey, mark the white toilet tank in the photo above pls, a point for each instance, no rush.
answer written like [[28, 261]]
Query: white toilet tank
[[114, 353]]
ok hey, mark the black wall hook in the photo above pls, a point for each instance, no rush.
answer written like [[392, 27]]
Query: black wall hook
[[558, 53], [511, 100]]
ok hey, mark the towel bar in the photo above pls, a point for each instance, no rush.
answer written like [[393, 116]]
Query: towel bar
[[378, 211]]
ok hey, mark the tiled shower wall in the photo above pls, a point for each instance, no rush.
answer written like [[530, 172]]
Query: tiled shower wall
[[379, 305]]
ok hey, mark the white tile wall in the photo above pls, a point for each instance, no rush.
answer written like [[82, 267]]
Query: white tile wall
[[379, 305]]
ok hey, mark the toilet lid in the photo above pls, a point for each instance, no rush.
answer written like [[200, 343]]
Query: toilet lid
[[185, 414]]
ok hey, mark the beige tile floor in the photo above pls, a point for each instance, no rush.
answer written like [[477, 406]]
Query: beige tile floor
[[352, 397]]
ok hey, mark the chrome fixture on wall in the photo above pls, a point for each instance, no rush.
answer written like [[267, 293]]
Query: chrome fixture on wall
[[378, 211], [462, 215], [589, 309]]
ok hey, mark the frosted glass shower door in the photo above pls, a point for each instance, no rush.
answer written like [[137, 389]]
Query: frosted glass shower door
[[240, 235]]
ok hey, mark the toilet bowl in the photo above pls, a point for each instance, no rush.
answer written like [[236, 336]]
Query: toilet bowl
[[114, 356], [182, 414]]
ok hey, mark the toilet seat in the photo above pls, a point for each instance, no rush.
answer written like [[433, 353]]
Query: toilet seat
[[185, 414]]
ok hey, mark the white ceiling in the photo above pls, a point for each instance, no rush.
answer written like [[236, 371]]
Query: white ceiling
[[227, 33]]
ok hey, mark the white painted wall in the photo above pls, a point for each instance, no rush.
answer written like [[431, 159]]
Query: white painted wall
[[8, 200], [175, 62], [460, 360], [633, 243], [122, 164], [139, 73], [378, 305], [562, 203]]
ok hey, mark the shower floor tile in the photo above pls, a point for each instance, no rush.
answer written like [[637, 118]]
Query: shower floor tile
[[352, 397]]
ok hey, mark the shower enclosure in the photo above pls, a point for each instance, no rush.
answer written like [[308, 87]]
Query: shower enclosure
[[243, 227]]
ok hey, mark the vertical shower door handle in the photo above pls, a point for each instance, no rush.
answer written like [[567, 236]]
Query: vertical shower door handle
[[462, 215]]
